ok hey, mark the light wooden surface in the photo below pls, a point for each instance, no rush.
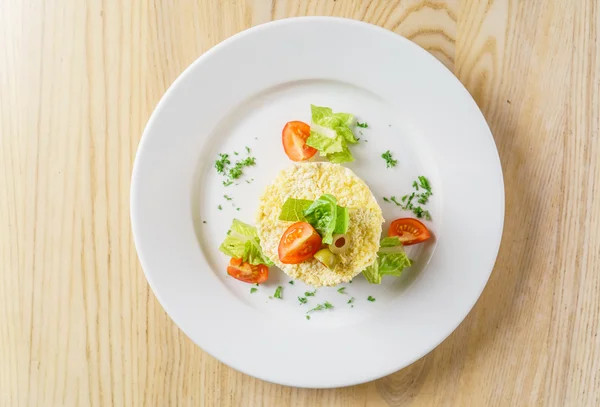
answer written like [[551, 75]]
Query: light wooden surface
[[79, 325]]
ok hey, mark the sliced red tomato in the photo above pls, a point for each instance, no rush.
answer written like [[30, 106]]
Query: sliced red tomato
[[294, 136], [246, 272], [299, 243], [409, 231]]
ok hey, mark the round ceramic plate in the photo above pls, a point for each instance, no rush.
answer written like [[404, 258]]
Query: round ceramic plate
[[240, 94]]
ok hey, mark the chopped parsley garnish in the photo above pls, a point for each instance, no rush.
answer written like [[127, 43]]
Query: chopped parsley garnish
[[237, 209], [235, 172], [231, 171], [421, 194], [220, 207], [372, 299], [423, 198], [291, 282], [418, 211], [363, 125], [302, 300], [341, 290], [351, 300], [320, 307], [389, 161], [247, 162], [310, 293], [278, 292], [424, 183], [253, 290], [308, 317], [227, 197], [222, 162]]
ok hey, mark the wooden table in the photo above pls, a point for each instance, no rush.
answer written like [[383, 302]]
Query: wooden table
[[79, 325]]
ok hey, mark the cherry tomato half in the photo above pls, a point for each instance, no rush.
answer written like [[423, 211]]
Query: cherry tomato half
[[299, 243], [246, 272], [409, 231], [294, 136]]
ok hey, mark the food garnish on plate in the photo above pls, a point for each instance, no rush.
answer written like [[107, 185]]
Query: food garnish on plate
[[318, 221]]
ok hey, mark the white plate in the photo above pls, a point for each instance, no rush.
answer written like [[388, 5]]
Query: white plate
[[241, 93]]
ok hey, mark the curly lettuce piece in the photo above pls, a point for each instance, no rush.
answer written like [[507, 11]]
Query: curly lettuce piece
[[293, 211], [322, 215], [330, 133], [391, 260], [242, 242]]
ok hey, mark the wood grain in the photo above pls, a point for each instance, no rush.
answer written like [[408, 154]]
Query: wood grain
[[78, 323]]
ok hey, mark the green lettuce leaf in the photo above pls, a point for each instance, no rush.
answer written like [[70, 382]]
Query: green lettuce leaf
[[242, 242], [344, 156], [322, 214], [393, 263], [390, 242], [324, 144], [341, 221], [391, 260], [253, 254], [371, 273], [330, 133], [293, 211], [347, 134], [324, 116], [239, 227]]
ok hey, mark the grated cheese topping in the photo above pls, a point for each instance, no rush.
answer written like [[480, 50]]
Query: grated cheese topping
[[310, 181]]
